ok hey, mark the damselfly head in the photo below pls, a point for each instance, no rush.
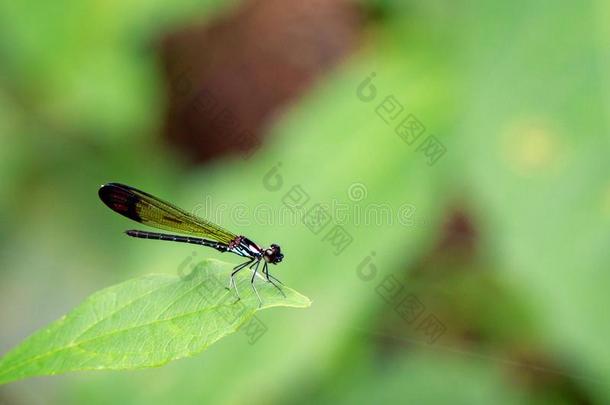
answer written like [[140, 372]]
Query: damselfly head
[[273, 254]]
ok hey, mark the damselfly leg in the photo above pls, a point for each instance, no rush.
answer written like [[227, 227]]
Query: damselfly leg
[[253, 264], [266, 272], [274, 278], [260, 302], [236, 270]]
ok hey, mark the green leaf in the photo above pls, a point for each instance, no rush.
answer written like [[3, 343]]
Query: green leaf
[[146, 322]]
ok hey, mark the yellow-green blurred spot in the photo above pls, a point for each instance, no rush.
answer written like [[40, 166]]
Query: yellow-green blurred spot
[[530, 147]]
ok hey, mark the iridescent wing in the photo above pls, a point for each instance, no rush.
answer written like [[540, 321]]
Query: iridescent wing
[[149, 210]]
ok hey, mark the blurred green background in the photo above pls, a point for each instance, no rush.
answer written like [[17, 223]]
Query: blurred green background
[[505, 244]]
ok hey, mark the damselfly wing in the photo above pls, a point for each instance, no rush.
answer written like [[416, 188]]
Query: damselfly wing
[[152, 211]]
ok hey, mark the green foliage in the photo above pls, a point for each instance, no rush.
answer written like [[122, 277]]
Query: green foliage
[[517, 92], [144, 322]]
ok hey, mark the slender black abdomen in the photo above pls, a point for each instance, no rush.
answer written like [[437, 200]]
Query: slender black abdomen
[[177, 238]]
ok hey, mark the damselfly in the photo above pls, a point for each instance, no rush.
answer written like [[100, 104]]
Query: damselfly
[[149, 210]]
